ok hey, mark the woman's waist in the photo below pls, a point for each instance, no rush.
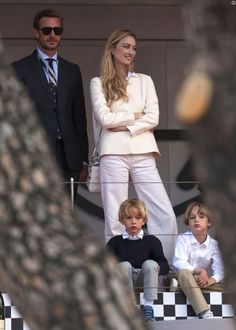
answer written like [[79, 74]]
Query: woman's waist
[[120, 143], [128, 149], [125, 136], [145, 154]]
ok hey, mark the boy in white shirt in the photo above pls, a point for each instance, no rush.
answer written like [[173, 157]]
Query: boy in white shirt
[[197, 259]]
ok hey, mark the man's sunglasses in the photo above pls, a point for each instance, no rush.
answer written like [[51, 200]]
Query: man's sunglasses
[[48, 30]]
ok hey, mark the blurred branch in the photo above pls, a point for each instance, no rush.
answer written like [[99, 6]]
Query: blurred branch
[[206, 103]]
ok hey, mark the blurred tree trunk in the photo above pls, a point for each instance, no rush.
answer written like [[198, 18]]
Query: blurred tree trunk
[[55, 270], [207, 104]]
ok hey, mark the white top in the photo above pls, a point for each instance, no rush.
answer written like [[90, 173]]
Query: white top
[[190, 254], [142, 98], [125, 235]]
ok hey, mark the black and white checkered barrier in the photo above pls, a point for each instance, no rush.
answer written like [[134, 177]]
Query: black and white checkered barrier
[[12, 319], [168, 306], [175, 306]]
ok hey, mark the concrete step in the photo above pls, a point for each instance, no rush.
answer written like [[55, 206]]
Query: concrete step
[[214, 324]]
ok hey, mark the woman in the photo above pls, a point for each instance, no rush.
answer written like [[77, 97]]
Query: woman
[[126, 106]]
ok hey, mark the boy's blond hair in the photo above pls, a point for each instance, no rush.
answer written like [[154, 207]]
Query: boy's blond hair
[[202, 210], [133, 203]]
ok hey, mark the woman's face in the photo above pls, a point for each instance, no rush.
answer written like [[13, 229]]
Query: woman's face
[[124, 52]]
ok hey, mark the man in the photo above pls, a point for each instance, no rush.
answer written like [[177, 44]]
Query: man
[[56, 87]]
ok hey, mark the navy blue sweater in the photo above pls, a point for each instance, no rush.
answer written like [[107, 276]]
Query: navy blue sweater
[[138, 251]]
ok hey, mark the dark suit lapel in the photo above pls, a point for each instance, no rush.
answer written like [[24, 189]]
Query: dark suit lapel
[[39, 74], [62, 81]]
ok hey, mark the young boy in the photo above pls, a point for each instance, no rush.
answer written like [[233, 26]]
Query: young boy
[[141, 256], [197, 259]]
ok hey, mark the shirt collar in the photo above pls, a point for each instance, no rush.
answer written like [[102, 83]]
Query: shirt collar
[[125, 235], [194, 241], [44, 56], [130, 74]]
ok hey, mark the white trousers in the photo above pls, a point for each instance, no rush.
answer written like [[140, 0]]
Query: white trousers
[[116, 171]]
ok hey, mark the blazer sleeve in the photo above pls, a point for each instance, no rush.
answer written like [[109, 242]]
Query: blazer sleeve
[[80, 115], [102, 112], [150, 119]]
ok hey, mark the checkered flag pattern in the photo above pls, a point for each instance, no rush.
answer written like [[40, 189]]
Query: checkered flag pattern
[[13, 320], [175, 306]]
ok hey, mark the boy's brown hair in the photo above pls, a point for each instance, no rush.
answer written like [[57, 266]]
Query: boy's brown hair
[[133, 203], [202, 210]]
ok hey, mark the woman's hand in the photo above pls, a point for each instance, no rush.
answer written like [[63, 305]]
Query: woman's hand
[[118, 129], [137, 115]]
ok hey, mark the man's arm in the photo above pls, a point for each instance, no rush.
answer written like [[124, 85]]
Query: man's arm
[[81, 124]]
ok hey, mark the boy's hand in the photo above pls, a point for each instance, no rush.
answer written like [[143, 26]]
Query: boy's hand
[[201, 277]]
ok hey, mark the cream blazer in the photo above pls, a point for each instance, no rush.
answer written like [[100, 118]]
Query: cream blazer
[[139, 138]]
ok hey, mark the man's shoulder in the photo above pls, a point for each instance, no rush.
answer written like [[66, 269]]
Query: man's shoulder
[[24, 60], [68, 63]]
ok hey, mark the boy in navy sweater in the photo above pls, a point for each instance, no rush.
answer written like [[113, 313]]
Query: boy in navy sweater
[[140, 256]]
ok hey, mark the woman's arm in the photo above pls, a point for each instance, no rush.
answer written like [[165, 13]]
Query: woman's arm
[[102, 112], [150, 116], [137, 115]]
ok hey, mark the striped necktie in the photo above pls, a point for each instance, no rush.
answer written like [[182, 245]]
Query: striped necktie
[[51, 72], [52, 80]]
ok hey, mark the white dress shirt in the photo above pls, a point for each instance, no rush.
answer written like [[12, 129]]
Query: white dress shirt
[[190, 254], [43, 57]]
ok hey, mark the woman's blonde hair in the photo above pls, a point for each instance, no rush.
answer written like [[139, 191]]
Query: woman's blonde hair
[[202, 210], [114, 86], [133, 203]]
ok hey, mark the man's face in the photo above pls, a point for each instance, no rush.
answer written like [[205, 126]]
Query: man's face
[[50, 42]]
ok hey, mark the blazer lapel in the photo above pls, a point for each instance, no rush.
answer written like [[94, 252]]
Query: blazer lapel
[[39, 74], [61, 83]]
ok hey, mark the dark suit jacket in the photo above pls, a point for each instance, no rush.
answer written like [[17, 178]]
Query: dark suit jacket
[[70, 115]]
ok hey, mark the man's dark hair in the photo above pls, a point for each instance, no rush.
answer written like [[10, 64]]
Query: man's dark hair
[[46, 13]]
